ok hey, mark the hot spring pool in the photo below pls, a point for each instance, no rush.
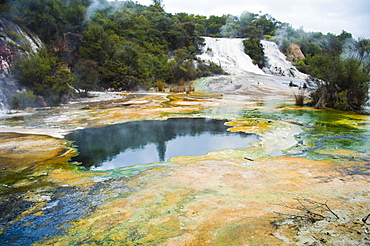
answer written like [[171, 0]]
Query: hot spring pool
[[152, 141]]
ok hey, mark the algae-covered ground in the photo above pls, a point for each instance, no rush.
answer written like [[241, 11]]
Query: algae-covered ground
[[266, 194]]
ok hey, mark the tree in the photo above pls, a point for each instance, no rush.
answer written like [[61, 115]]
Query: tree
[[182, 67], [48, 18], [213, 25], [86, 75], [97, 44], [231, 29], [340, 83], [254, 49], [157, 2], [41, 73], [360, 50]]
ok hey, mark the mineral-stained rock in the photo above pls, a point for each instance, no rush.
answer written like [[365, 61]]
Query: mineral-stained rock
[[14, 42], [294, 53]]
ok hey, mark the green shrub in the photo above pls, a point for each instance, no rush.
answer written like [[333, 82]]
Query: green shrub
[[299, 98], [42, 74], [254, 49], [340, 83], [342, 101], [23, 100], [216, 69], [160, 85]]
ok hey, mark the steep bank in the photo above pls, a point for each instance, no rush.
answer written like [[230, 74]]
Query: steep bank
[[14, 42]]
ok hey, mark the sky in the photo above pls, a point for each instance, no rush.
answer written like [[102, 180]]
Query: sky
[[326, 16]]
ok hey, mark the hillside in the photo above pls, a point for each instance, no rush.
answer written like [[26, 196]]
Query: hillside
[[14, 43], [125, 46]]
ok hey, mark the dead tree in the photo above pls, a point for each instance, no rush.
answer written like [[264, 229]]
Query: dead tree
[[313, 211]]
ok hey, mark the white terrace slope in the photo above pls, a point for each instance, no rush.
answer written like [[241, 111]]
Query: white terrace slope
[[229, 53]]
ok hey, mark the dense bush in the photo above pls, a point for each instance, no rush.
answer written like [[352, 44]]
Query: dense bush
[[47, 18], [23, 100], [340, 83], [339, 66], [86, 76], [125, 45], [254, 49], [42, 74], [121, 45]]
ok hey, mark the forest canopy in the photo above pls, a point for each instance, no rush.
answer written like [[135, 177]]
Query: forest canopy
[[125, 46]]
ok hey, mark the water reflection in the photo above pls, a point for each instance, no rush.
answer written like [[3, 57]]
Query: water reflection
[[153, 141]]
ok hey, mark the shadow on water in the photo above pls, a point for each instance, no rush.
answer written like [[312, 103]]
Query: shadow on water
[[152, 141]]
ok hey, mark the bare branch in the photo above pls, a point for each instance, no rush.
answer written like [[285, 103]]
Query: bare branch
[[331, 211], [309, 211], [366, 218], [297, 216], [325, 205]]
